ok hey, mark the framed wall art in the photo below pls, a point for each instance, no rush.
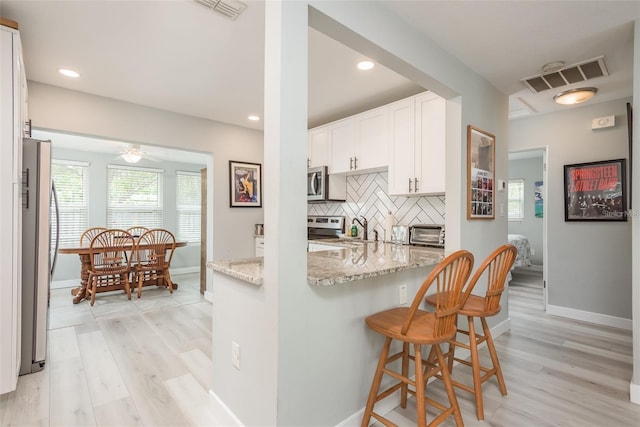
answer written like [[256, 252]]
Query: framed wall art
[[481, 168], [595, 191], [245, 184]]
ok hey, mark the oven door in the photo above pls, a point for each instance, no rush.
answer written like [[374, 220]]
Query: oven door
[[316, 183]]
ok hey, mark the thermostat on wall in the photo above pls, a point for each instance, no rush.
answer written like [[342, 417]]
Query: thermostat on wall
[[603, 122]]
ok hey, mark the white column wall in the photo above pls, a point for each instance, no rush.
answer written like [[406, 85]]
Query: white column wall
[[634, 387]]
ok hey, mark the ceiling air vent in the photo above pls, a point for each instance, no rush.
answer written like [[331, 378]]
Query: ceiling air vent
[[571, 74], [229, 8]]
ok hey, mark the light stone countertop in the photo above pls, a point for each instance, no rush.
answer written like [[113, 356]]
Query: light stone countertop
[[349, 261]]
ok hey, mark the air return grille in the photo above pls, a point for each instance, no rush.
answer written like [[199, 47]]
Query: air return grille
[[572, 74], [229, 8]]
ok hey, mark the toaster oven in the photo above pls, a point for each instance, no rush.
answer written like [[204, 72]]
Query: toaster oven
[[427, 235]]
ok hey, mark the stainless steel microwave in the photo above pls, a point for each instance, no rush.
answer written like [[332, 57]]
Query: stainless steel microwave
[[322, 187], [427, 235]]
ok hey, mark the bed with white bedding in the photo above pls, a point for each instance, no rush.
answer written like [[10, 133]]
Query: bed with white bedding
[[524, 250]]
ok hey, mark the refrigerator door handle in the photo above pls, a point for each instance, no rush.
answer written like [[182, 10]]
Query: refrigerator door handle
[[55, 205]]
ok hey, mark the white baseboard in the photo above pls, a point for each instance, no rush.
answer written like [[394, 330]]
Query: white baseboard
[[185, 270], [587, 316], [61, 284], [208, 296], [221, 412], [634, 393]]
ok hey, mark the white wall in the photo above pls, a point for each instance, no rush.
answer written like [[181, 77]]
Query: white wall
[[589, 263], [531, 171], [230, 230]]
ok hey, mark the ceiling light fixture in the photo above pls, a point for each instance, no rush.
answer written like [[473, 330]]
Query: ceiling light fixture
[[69, 73], [254, 118], [575, 96], [132, 154], [365, 65]]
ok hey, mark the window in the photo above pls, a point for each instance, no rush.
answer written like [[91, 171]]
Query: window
[[134, 197], [516, 199], [188, 205], [71, 180]]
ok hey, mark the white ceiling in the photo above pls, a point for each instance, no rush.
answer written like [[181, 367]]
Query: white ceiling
[[178, 56]]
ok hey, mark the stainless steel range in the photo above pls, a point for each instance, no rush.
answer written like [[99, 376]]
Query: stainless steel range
[[324, 227]]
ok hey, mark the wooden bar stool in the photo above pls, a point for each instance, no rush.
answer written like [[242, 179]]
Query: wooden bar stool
[[495, 269], [418, 327]]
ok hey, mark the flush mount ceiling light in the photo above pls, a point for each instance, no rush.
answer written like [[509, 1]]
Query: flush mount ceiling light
[[365, 65], [69, 73], [575, 96], [132, 154]]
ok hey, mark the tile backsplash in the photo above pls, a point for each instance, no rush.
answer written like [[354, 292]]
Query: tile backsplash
[[367, 196]]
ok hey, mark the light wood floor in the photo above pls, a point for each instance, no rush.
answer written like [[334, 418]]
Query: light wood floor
[[144, 362], [147, 362]]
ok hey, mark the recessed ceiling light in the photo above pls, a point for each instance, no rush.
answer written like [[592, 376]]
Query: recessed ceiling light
[[69, 73], [365, 65], [254, 118], [575, 96]]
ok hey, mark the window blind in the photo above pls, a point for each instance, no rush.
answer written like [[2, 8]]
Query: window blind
[[188, 192], [134, 197], [516, 199], [71, 180]]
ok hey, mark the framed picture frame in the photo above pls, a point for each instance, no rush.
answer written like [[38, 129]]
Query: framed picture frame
[[481, 167], [245, 184], [595, 191]]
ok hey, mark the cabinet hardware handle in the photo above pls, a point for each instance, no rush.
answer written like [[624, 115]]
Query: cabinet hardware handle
[[350, 163], [415, 184], [308, 162], [355, 163], [409, 185]]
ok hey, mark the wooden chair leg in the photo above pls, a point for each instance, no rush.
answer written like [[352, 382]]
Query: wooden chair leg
[[405, 373], [127, 287], [140, 277], [94, 287], [420, 387], [448, 385], [494, 356], [375, 386], [169, 282], [475, 368]]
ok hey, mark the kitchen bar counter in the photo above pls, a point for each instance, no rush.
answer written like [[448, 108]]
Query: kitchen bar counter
[[349, 261]]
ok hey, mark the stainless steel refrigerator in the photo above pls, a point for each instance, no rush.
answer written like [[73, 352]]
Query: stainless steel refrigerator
[[37, 252]]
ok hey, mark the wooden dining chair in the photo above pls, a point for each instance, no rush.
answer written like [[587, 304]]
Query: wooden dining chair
[[137, 231], [87, 235], [110, 266], [154, 251], [494, 269], [411, 325]]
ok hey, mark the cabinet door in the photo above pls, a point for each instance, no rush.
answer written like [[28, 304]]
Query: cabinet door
[[401, 146], [342, 136], [373, 139], [318, 147], [430, 144]]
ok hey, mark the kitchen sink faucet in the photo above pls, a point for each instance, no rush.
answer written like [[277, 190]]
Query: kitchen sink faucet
[[364, 224]]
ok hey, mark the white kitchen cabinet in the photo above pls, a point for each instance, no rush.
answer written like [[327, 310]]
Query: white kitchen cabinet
[[417, 145], [359, 143], [259, 246], [342, 137], [318, 147], [12, 118]]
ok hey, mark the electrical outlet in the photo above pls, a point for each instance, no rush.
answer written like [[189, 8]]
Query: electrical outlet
[[235, 354], [533, 252], [402, 294]]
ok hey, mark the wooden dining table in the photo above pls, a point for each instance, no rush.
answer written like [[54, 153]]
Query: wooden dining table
[[80, 292]]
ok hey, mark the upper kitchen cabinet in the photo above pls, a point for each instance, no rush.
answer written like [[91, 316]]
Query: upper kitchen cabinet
[[417, 145], [359, 144], [318, 147]]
